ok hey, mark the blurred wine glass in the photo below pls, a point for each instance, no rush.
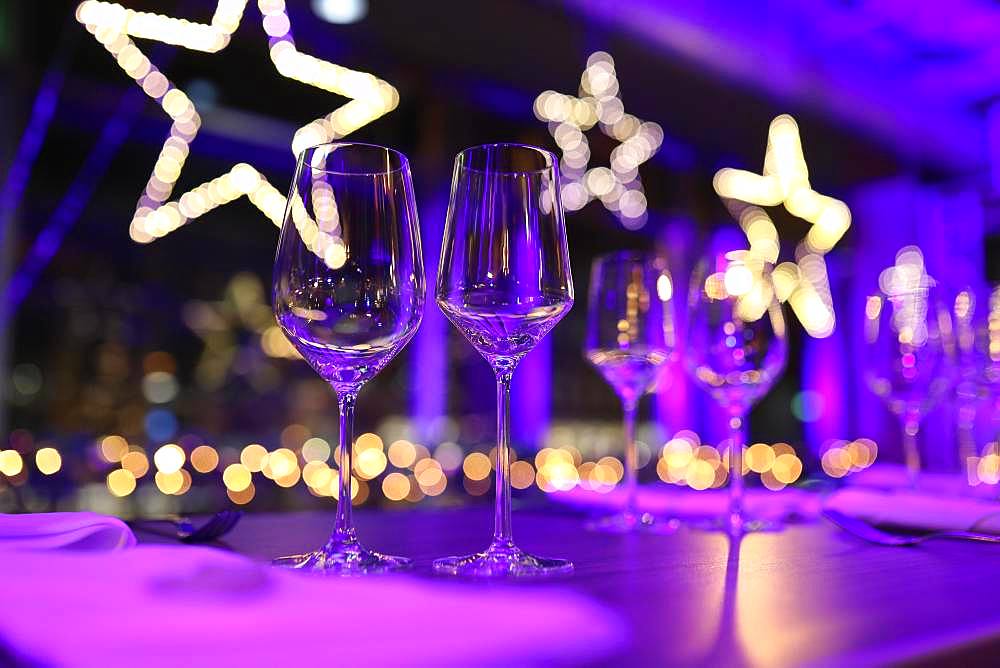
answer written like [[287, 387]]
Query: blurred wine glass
[[504, 281], [977, 386], [630, 337], [736, 350], [349, 294], [908, 341]]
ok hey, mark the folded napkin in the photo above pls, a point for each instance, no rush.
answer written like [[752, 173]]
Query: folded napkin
[[182, 605], [917, 509], [74, 531], [673, 501]]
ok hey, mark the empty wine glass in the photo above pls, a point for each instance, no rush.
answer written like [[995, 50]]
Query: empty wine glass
[[736, 350], [630, 337], [907, 332], [504, 281], [349, 294]]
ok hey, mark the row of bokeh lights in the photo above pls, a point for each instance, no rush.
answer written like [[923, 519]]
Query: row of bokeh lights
[[404, 471]]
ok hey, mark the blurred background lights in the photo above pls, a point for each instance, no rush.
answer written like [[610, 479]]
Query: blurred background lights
[[808, 405], [169, 458], [136, 462], [11, 463], [159, 387], [785, 180], [204, 459], [113, 448], [236, 477], [121, 482], [48, 460], [618, 186], [340, 11]]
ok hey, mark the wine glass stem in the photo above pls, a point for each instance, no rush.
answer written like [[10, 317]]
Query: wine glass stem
[[736, 468], [631, 461], [911, 452], [501, 531], [343, 529]]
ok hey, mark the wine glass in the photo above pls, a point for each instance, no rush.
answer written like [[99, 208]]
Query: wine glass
[[349, 294], [736, 350], [504, 281], [630, 337], [907, 336]]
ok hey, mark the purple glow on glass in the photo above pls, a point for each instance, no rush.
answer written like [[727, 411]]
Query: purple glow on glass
[[349, 294], [504, 281]]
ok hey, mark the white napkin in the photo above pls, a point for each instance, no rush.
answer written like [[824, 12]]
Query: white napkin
[[918, 510], [182, 605], [73, 531]]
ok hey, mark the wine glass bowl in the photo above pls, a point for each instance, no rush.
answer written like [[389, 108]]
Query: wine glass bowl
[[349, 294], [630, 338], [504, 281], [736, 349]]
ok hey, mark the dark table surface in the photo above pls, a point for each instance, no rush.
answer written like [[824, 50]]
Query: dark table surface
[[808, 595]]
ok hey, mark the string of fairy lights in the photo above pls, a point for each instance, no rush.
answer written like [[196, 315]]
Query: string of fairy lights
[[156, 215]]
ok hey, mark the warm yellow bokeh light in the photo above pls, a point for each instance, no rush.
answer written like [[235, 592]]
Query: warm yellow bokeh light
[[121, 482], [368, 441], [169, 483], [169, 458], [395, 486], [522, 474], [236, 477], [11, 463], [136, 462], [243, 496], [252, 457], [113, 448], [204, 459], [369, 463], [476, 466], [316, 449], [402, 454], [48, 460]]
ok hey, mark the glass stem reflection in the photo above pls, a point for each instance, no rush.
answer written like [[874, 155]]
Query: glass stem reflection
[[343, 529], [501, 531], [736, 417], [631, 461], [911, 452]]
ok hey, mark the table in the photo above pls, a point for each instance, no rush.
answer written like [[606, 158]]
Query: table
[[809, 595]]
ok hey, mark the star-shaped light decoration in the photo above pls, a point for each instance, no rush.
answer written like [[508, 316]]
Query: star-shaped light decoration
[[155, 216], [804, 284], [618, 187]]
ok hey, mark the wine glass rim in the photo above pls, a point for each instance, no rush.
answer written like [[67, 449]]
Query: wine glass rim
[[404, 163], [550, 159]]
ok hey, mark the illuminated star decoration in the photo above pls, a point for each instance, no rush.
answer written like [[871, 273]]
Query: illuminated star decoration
[[619, 187], [155, 216], [804, 284]]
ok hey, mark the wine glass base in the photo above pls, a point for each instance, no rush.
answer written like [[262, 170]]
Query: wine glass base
[[632, 522], [346, 559], [737, 526], [502, 561]]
